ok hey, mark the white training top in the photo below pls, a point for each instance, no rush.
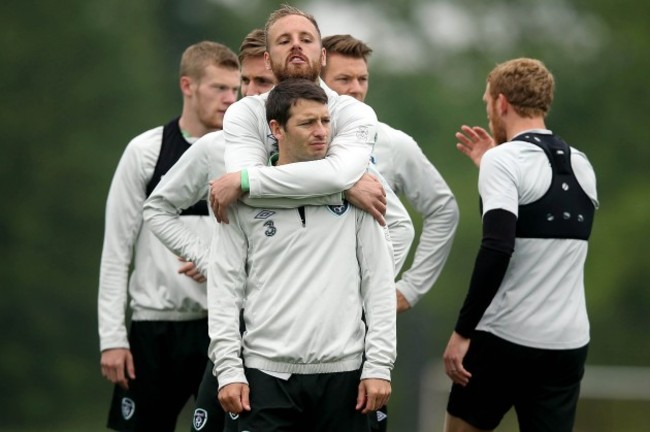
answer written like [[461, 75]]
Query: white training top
[[304, 284], [249, 143], [156, 290], [541, 301], [408, 171], [188, 182]]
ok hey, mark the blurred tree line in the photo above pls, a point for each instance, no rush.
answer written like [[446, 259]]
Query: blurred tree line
[[79, 81]]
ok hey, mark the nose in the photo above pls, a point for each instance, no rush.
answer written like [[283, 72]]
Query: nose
[[356, 89], [231, 97], [296, 43], [248, 90], [253, 90], [321, 130]]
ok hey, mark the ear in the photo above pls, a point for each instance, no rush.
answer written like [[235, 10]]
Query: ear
[[186, 85], [267, 60], [276, 129], [323, 57], [502, 104]]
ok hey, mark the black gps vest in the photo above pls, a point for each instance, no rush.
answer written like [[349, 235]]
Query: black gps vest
[[171, 149], [565, 211]]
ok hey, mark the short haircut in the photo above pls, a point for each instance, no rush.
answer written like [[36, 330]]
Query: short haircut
[[253, 45], [287, 93], [527, 85], [203, 54], [284, 11], [347, 46]]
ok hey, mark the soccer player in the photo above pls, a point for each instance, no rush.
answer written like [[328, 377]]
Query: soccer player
[[522, 334], [160, 364], [294, 50], [187, 183], [407, 170], [308, 360]]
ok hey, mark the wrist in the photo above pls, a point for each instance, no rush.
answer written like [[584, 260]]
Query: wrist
[[243, 181]]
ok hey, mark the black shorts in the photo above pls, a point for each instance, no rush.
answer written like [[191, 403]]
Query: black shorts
[[543, 385], [314, 403], [208, 415], [169, 359], [378, 420]]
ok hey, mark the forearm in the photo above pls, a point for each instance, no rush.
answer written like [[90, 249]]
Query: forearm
[[435, 243], [398, 221], [111, 304], [491, 265], [328, 176], [225, 340], [226, 291], [162, 217], [378, 292], [281, 202]]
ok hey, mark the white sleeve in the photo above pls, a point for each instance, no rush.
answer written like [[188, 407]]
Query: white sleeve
[[378, 292], [398, 221], [429, 194], [333, 199], [226, 285], [498, 180], [122, 227], [185, 184], [354, 130]]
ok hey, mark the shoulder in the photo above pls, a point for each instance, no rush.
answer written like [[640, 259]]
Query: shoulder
[[343, 107], [504, 156], [144, 147], [511, 150], [395, 138], [246, 106], [210, 142], [148, 138]]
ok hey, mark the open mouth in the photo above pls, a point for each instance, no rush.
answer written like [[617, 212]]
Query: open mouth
[[297, 59]]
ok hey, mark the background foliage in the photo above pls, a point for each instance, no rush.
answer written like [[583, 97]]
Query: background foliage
[[78, 82]]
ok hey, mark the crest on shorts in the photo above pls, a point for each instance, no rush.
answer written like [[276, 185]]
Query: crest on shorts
[[339, 209], [128, 408], [381, 416], [233, 415], [200, 418]]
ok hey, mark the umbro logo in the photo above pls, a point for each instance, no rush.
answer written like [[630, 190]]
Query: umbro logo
[[264, 214]]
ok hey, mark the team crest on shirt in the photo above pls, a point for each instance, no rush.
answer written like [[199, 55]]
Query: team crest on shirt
[[200, 418], [339, 210], [362, 133], [128, 408]]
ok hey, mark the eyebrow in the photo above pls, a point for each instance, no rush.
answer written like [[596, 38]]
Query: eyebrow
[[301, 33]]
